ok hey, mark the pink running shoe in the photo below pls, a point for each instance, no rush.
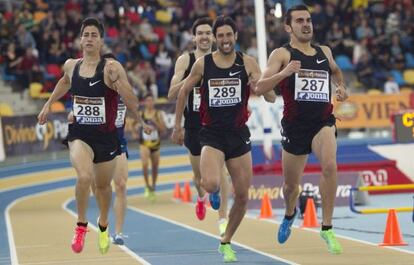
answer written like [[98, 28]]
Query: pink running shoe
[[200, 209], [79, 239]]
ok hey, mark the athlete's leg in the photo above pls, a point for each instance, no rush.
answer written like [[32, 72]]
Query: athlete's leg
[[224, 193], [155, 162], [324, 147], [195, 164], [292, 166], [120, 181], [81, 157], [240, 169], [145, 156], [211, 165], [104, 172]]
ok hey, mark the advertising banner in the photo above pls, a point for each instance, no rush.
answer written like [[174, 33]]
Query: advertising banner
[[404, 126], [273, 185], [22, 135], [369, 111], [2, 154], [265, 115]]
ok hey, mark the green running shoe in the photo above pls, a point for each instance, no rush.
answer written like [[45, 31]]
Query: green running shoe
[[146, 192], [229, 255], [334, 246], [103, 240]]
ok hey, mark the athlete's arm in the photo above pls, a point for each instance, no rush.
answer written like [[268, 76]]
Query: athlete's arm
[[337, 76], [117, 79], [160, 122], [61, 88], [192, 79], [254, 73], [177, 79], [273, 73]]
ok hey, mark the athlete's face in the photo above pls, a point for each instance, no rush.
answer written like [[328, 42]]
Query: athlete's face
[[149, 102], [226, 39], [203, 37], [91, 39], [301, 27]]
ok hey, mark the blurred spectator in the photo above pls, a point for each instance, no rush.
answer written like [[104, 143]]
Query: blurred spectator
[[391, 87], [163, 63], [365, 71], [24, 38]]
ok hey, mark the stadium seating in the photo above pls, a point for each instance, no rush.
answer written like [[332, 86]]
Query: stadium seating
[[344, 63], [409, 76], [398, 77], [6, 110]]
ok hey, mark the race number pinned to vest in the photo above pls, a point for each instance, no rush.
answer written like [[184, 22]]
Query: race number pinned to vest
[[224, 92], [153, 136], [312, 85], [89, 110], [196, 99], [120, 115]]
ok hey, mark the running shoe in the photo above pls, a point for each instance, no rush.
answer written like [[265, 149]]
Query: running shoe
[[229, 255], [78, 240], [214, 200], [285, 228], [334, 246], [223, 226], [118, 239], [103, 240], [151, 196], [146, 192], [200, 208]]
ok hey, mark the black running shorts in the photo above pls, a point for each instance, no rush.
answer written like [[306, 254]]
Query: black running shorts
[[297, 137], [105, 146], [233, 142], [192, 141]]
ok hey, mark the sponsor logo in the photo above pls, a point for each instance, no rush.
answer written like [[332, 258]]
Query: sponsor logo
[[233, 74], [94, 83], [321, 61]]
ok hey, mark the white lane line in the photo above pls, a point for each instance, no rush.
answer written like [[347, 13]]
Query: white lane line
[[209, 234], [124, 248], [340, 236]]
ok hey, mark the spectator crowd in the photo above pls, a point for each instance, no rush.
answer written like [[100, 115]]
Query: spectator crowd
[[373, 40]]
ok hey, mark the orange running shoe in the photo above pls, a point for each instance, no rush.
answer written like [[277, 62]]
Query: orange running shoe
[[79, 239]]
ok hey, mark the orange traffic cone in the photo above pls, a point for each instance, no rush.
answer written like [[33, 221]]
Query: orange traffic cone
[[392, 235], [177, 191], [266, 209], [187, 193], [310, 219]]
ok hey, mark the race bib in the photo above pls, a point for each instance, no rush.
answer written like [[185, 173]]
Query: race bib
[[312, 85], [196, 99], [89, 110], [150, 137], [120, 115], [224, 92]]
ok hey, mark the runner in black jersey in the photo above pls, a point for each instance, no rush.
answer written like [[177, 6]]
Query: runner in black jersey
[[302, 72], [93, 139], [225, 138], [203, 39]]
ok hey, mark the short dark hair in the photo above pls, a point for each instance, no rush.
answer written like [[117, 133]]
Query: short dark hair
[[288, 15], [201, 21], [91, 21], [222, 21]]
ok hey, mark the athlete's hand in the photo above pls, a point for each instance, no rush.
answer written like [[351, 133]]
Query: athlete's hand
[[341, 94], [177, 136], [292, 67], [42, 117], [112, 71]]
